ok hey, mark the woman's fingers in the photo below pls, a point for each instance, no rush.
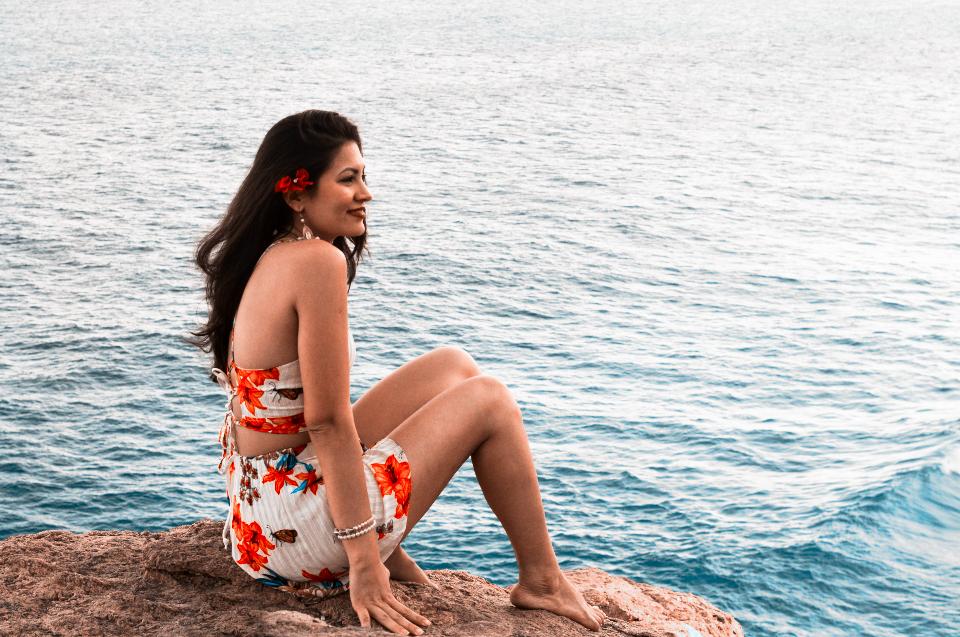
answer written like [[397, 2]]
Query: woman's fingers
[[393, 621], [399, 617], [408, 612], [372, 599], [364, 617]]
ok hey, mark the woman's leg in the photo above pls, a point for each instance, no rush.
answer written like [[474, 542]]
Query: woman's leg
[[392, 400], [479, 418]]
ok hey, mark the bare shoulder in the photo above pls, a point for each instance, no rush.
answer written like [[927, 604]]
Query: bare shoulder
[[313, 265], [303, 257]]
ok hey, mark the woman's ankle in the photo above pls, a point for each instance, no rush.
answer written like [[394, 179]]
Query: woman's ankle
[[541, 580]]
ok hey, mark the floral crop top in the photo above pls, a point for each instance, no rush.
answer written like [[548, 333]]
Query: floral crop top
[[271, 400]]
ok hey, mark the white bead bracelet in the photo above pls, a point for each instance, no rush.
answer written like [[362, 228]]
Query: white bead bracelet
[[354, 531]]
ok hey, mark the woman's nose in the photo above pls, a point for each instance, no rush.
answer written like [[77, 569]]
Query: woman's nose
[[365, 194]]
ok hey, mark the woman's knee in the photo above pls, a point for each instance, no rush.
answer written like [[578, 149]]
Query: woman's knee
[[495, 399], [457, 361]]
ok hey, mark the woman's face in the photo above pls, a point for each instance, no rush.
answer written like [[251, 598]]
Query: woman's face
[[338, 205]]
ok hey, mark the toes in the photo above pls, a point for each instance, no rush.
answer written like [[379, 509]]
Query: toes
[[591, 619], [598, 614]]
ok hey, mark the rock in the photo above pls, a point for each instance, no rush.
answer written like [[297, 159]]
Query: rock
[[182, 582]]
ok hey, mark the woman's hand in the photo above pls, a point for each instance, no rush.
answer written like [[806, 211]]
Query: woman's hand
[[371, 596]]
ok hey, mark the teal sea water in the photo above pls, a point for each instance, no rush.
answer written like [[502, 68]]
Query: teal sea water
[[713, 250]]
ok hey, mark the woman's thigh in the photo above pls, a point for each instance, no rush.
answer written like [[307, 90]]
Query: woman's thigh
[[439, 437], [405, 390]]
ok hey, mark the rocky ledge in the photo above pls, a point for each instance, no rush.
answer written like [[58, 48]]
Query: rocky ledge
[[182, 582]]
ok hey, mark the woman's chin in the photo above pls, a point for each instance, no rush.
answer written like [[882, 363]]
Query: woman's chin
[[352, 230]]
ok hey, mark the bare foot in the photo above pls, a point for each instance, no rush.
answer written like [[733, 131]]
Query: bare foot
[[403, 569], [556, 594]]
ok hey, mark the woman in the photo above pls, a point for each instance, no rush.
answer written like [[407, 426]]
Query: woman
[[323, 492]]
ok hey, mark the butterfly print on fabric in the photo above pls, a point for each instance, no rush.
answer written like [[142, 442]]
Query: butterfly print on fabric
[[284, 536], [290, 393]]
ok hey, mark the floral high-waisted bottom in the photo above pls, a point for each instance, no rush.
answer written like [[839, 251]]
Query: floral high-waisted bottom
[[279, 527]]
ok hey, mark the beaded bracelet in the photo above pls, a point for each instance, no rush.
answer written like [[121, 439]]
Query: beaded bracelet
[[354, 531], [357, 531]]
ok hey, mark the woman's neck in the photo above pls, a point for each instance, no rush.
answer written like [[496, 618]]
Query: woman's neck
[[286, 236]]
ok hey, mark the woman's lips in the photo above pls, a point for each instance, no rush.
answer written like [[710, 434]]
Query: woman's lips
[[358, 212]]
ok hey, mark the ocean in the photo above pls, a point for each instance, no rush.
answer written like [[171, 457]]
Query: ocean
[[712, 248]]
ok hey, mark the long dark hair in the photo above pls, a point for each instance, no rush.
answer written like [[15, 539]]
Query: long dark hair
[[257, 214]]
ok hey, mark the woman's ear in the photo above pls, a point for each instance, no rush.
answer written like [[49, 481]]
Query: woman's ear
[[294, 199]]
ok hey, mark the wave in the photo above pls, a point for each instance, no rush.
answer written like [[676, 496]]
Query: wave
[[884, 561], [927, 496], [951, 461]]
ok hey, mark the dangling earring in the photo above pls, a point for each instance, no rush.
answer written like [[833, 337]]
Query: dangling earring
[[305, 233]]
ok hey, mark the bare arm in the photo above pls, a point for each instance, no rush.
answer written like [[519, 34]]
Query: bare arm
[[321, 304]]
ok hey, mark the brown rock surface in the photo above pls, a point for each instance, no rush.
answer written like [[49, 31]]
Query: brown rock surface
[[182, 582]]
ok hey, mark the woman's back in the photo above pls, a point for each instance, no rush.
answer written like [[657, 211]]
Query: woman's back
[[267, 389]]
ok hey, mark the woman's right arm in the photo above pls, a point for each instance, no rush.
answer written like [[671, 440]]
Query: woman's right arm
[[322, 344]]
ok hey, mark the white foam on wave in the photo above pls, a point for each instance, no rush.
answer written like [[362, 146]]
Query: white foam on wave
[[951, 461]]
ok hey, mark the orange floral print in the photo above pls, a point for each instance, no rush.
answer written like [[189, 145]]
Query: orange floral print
[[250, 396], [253, 536], [256, 377], [325, 575], [310, 481], [280, 425], [249, 555], [248, 385], [279, 476], [255, 410], [250, 540], [236, 522], [393, 477]]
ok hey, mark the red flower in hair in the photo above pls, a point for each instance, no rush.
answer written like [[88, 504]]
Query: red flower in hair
[[283, 185], [301, 179]]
